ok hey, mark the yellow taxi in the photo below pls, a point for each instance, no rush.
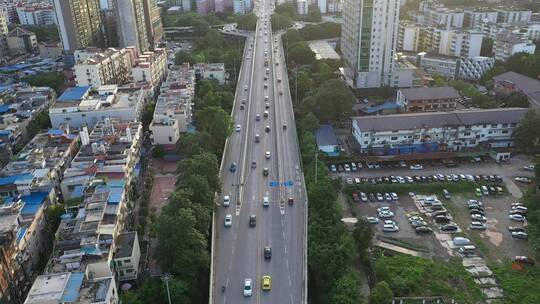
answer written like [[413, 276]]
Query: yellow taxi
[[266, 282]]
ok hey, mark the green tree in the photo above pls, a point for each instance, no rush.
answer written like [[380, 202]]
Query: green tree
[[152, 291], [204, 164], [57, 81], [381, 294], [181, 247], [53, 214], [526, 136], [438, 81], [301, 84], [181, 292], [44, 33], [300, 53], [309, 123], [158, 152], [346, 290], [331, 102], [518, 100], [281, 21], [217, 123], [39, 123], [494, 71], [130, 297], [180, 199], [314, 14], [200, 191], [363, 235], [148, 114], [193, 143], [183, 57]]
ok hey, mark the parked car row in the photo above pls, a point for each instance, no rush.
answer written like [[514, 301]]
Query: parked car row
[[488, 190], [477, 215], [392, 179], [517, 213], [375, 197], [418, 223]]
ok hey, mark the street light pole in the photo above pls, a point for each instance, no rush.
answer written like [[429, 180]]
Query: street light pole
[[166, 278]]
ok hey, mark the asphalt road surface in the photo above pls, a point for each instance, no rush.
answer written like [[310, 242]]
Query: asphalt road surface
[[238, 249]]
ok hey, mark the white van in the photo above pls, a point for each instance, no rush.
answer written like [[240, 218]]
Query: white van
[[461, 241], [467, 249], [266, 201]]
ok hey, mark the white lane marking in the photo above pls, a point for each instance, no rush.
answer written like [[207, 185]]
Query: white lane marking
[[290, 282], [292, 301]]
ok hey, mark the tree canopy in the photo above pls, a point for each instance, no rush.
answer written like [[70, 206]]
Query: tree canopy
[[332, 101], [57, 81], [526, 136]]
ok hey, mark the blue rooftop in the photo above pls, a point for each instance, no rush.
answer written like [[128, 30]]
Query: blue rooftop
[[73, 286], [325, 136], [4, 108], [21, 233], [73, 94], [32, 202], [13, 178], [55, 132], [385, 106]]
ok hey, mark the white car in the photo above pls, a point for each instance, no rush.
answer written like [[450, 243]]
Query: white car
[[523, 179], [416, 167], [248, 289], [333, 168], [238, 128], [347, 168], [477, 226], [372, 219], [389, 222], [226, 201], [266, 201], [478, 218], [394, 196], [521, 208], [386, 214], [516, 217], [228, 220], [267, 155], [383, 209], [357, 180], [529, 167], [245, 87], [363, 197], [390, 228], [349, 180]]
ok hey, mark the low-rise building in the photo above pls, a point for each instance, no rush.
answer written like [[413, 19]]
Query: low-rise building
[[172, 114], [95, 68], [436, 131], [51, 50], [150, 68], [19, 105], [83, 106], [452, 67], [211, 71], [428, 99], [127, 256], [511, 82], [473, 18], [327, 140], [407, 75], [21, 41], [509, 43]]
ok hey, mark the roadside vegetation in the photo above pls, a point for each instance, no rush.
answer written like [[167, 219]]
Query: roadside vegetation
[[286, 13], [521, 285], [412, 276]]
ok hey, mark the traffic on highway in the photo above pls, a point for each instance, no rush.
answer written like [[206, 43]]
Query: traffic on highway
[[259, 243]]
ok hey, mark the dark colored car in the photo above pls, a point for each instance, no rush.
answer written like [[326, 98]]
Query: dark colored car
[[372, 197], [515, 229], [252, 220], [442, 219], [423, 229], [290, 200], [267, 253], [265, 171], [232, 168], [449, 227]]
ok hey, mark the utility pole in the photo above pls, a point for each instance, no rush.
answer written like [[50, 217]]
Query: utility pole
[[166, 278], [316, 161]]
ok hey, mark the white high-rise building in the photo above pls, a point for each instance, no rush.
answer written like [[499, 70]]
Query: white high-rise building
[[368, 39], [302, 7], [322, 6], [239, 7]]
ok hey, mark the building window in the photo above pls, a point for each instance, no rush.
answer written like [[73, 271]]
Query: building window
[[493, 125], [393, 138], [504, 131], [129, 270], [170, 138], [467, 133], [119, 263], [83, 115], [67, 118], [366, 142], [513, 124]]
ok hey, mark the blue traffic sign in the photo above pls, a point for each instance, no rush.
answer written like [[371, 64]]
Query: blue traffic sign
[[288, 183], [274, 184]]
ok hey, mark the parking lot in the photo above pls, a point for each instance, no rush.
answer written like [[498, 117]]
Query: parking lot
[[495, 243]]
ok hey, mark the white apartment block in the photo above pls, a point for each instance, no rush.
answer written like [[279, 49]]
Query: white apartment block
[[103, 68], [335, 6], [79, 106], [533, 31], [150, 68], [443, 17], [460, 43], [508, 44], [172, 115], [322, 6], [451, 131], [36, 14], [3, 33], [451, 67], [239, 7], [474, 18], [513, 15], [409, 36], [302, 7], [368, 41], [127, 256]]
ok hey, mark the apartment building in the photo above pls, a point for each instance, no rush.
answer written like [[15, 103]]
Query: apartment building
[[215, 71], [131, 24], [428, 99], [81, 106], [368, 41], [443, 17], [150, 68], [509, 43], [19, 105], [172, 114], [36, 13], [73, 287], [112, 66], [90, 234], [473, 18], [436, 131], [513, 15], [79, 23], [154, 26], [302, 7], [409, 36], [127, 256], [3, 34], [474, 68], [335, 6], [511, 82], [21, 41]]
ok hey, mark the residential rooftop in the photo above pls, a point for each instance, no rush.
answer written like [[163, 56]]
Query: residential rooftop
[[430, 93]]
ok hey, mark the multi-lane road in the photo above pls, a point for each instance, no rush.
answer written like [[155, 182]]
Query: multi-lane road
[[238, 250]]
